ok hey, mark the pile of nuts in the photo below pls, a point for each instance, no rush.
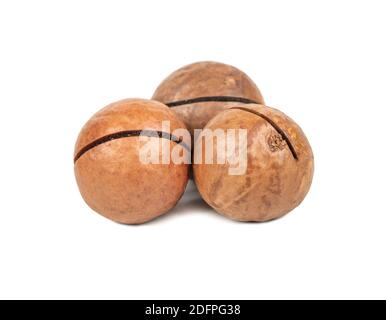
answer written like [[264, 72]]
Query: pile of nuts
[[250, 162]]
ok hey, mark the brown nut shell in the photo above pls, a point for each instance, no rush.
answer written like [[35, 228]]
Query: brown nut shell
[[112, 179], [208, 80], [279, 167]]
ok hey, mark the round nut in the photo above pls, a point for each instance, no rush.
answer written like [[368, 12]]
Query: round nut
[[199, 91], [278, 166], [112, 178]]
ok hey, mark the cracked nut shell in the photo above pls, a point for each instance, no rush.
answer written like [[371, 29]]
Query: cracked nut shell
[[112, 179], [205, 79], [279, 166]]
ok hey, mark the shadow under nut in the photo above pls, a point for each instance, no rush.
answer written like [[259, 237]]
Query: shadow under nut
[[279, 168]]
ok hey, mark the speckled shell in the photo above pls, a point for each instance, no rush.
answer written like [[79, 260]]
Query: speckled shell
[[111, 177], [275, 181], [205, 79]]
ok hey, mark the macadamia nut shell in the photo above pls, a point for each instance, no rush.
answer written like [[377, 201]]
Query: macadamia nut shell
[[111, 177], [279, 166], [205, 79]]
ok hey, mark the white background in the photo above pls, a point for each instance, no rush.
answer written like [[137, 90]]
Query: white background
[[321, 62]]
